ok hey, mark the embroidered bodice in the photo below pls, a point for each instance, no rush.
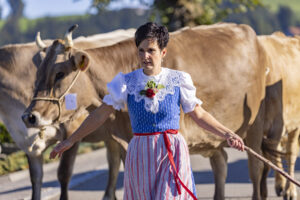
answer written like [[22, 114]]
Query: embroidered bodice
[[160, 112]]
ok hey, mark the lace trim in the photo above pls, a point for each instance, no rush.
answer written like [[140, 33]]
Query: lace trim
[[136, 82]]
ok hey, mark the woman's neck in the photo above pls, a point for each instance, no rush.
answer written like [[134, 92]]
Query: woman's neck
[[152, 72]]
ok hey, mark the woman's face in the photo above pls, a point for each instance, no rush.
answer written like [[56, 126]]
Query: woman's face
[[150, 55]]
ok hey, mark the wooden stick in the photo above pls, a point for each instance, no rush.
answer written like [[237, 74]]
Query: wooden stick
[[283, 173]]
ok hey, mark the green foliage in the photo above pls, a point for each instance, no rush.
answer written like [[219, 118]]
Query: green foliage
[[285, 16], [55, 27], [14, 162], [175, 14], [261, 20], [2, 22], [4, 135], [179, 13], [274, 6]]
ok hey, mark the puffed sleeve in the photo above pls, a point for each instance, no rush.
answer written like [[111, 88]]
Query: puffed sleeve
[[117, 96], [188, 97]]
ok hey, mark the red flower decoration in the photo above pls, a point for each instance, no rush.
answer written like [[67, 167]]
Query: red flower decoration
[[150, 93], [151, 89]]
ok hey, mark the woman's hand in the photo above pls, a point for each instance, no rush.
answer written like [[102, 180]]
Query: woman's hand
[[235, 141], [60, 148]]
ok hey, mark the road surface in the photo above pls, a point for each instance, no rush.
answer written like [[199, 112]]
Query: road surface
[[91, 174]]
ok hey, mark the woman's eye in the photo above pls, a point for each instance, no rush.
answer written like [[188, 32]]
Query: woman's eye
[[59, 76]]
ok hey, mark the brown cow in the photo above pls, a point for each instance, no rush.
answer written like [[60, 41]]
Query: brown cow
[[18, 64], [283, 58], [225, 61]]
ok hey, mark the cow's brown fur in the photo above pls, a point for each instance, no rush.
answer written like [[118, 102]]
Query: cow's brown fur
[[18, 64], [225, 61], [283, 56]]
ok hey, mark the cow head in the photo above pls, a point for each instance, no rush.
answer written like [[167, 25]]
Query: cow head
[[59, 77]]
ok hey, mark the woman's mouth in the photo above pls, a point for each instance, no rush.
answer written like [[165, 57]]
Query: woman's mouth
[[147, 62]]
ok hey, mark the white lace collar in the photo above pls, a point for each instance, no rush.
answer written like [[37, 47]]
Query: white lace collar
[[154, 77], [137, 80]]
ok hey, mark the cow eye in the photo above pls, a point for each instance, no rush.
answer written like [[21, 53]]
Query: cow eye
[[59, 76]]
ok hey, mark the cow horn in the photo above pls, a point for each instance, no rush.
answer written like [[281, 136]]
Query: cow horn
[[41, 45], [68, 36]]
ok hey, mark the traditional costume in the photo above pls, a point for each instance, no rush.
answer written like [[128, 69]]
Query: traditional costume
[[157, 163]]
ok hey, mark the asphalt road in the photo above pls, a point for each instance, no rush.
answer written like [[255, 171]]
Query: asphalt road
[[91, 174]]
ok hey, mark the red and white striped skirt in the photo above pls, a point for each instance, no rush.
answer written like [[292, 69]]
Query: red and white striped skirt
[[148, 171]]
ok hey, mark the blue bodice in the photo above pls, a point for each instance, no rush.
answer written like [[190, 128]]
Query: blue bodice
[[155, 114], [167, 117]]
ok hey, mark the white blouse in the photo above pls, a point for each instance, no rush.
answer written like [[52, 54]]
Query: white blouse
[[134, 82]]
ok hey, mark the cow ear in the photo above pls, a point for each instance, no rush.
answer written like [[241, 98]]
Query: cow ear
[[82, 60], [42, 55]]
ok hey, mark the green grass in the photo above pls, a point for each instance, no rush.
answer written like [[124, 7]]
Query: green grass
[[4, 135], [17, 161], [2, 22], [26, 24], [293, 4]]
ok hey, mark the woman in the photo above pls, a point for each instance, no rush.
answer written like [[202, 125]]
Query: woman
[[157, 163]]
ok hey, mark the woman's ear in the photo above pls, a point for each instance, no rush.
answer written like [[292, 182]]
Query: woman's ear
[[164, 52], [81, 60]]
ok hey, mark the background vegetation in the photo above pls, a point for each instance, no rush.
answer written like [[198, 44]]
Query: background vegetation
[[265, 16]]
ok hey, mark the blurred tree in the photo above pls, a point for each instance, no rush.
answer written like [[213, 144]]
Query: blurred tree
[[179, 13], [1, 10], [10, 29], [17, 7], [261, 20], [285, 16]]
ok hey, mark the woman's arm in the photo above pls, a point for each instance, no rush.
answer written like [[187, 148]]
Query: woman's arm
[[90, 124], [208, 122]]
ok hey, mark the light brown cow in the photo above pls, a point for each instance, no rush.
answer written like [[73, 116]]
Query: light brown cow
[[18, 64], [283, 58], [225, 61]]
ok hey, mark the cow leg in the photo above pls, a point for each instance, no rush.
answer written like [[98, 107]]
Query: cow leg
[[256, 167], [292, 152], [263, 183], [36, 175], [280, 181], [219, 166], [65, 170], [114, 160]]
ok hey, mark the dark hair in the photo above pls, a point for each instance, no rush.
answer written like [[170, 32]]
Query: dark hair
[[153, 31]]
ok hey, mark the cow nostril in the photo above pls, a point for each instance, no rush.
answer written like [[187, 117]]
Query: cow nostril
[[31, 119]]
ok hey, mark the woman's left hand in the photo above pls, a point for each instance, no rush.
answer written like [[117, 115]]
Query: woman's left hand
[[236, 142], [60, 148]]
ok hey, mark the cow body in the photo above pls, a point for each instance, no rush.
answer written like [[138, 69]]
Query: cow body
[[227, 65], [18, 64], [282, 113]]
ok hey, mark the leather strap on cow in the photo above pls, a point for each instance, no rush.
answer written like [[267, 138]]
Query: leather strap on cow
[[171, 158], [58, 100]]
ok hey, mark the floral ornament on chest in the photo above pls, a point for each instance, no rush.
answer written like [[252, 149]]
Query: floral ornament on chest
[[151, 89]]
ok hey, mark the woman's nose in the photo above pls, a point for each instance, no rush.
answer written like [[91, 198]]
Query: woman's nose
[[147, 55]]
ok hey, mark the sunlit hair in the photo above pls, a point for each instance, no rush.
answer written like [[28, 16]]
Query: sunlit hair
[[151, 30]]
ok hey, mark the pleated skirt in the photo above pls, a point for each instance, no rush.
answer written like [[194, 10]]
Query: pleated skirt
[[148, 173]]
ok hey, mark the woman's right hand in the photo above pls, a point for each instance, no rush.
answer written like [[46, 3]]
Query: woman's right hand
[[60, 148]]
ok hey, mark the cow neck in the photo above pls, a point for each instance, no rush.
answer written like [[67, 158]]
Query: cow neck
[[17, 66], [107, 62]]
